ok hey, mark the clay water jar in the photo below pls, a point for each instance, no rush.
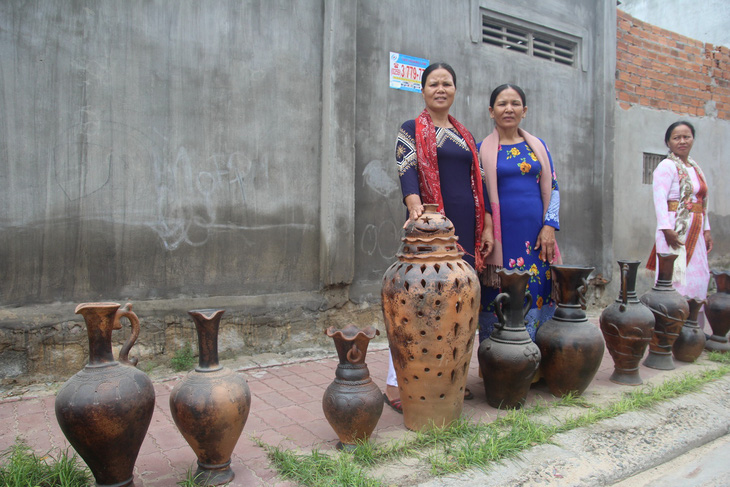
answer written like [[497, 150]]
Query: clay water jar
[[509, 359], [691, 341], [210, 405], [717, 311], [430, 300], [570, 346], [104, 410], [627, 327], [670, 311]]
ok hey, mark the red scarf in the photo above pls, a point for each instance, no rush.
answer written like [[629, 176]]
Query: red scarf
[[428, 174]]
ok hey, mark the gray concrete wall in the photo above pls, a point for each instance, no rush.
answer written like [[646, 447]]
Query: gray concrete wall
[[640, 130], [569, 107]]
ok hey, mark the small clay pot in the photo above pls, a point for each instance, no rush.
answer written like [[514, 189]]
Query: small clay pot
[[352, 403], [717, 311], [691, 340]]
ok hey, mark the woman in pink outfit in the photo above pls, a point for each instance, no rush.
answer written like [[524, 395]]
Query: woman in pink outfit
[[680, 203]]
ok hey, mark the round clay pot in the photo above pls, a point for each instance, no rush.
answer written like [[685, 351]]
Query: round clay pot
[[509, 359], [691, 340], [570, 346], [717, 311], [627, 327], [670, 311], [430, 301], [352, 403], [104, 410], [210, 405]]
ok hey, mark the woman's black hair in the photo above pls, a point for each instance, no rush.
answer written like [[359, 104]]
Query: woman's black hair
[[499, 89], [671, 128], [434, 67]]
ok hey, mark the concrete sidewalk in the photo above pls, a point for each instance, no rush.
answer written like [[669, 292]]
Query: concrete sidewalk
[[286, 411]]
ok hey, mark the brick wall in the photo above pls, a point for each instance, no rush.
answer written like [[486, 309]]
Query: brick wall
[[661, 69]]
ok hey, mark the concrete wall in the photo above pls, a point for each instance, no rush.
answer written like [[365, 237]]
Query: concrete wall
[[240, 154]]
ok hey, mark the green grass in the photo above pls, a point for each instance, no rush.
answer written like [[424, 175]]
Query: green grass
[[183, 359], [465, 444], [21, 467]]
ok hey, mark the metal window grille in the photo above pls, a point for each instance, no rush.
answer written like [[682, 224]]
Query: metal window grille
[[651, 161], [528, 41]]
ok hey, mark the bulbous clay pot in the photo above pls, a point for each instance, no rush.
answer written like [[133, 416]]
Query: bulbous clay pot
[[717, 311], [104, 410], [210, 405], [627, 327], [509, 359], [691, 340], [352, 403], [571, 348], [430, 303], [670, 310]]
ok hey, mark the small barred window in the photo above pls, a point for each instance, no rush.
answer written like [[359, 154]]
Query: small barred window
[[651, 161]]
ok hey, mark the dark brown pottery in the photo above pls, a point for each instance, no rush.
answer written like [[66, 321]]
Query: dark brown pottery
[[509, 359], [691, 340], [571, 348], [105, 409], [717, 311], [352, 403], [210, 405], [430, 303], [627, 327], [670, 310]]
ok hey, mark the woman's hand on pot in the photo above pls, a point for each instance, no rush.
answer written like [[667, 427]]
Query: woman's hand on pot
[[415, 208], [672, 238], [546, 244]]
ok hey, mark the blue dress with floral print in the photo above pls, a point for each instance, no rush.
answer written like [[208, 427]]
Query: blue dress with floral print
[[521, 208]]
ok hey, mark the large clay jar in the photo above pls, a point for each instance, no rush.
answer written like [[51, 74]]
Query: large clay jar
[[717, 311], [105, 409], [509, 359], [670, 310], [571, 348], [627, 327], [430, 305], [352, 403], [210, 405], [691, 340]]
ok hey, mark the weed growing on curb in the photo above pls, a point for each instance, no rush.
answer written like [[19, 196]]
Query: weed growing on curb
[[184, 358], [20, 467], [465, 444]]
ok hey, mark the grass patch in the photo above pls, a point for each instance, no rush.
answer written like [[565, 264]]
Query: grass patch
[[183, 359], [21, 467], [465, 444]]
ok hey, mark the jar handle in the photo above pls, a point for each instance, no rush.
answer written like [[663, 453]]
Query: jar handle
[[126, 312], [498, 305], [624, 291], [528, 304], [354, 355], [582, 290]]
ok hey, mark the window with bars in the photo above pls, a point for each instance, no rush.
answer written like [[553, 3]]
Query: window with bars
[[522, 39], [651, 161]]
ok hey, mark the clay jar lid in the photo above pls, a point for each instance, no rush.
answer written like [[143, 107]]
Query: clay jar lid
[[431, 236]]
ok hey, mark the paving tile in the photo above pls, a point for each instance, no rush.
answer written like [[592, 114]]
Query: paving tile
[[298, 414], [299, 435], [274, 399], [273, 418]]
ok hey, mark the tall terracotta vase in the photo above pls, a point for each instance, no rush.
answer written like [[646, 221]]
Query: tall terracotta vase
[[717, 311], [670, 310], [352, 403], [571, 348], [210, 405], [430, 305], [105, 409], [691, 340], [508, 359], [627, 327]]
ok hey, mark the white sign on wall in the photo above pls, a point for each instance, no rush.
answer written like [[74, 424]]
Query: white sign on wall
[[405, 72]]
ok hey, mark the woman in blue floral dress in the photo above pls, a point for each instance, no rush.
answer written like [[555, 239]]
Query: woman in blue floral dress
[[524, 197]]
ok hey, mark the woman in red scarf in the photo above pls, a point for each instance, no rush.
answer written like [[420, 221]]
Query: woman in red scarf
[[438, 162]]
